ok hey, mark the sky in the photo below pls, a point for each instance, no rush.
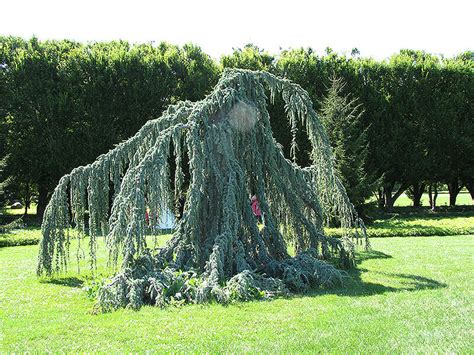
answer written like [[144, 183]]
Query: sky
[[377, 28]]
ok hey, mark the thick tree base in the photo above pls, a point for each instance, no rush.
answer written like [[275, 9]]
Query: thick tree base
[[148, 282]]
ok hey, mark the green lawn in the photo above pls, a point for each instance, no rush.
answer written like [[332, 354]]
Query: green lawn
[[443, 199], [408, 295], [19, 211]]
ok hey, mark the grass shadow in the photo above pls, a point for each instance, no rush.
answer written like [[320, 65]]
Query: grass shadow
[[425, 212], [415, 282], [371, 254], [418, 229], [70, 281], [405, 282], [354, 286]]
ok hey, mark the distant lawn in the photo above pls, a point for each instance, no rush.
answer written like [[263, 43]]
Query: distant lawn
[[464, 198], [9, 211], [408, 295], [397, 226]]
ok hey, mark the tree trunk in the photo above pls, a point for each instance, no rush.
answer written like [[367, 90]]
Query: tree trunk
[[388, 198], [380, 198], [469, 182], [430, 196], [387, 194], [42, 201], [433, 195], [454, 187], [417, 190], [27, 198]]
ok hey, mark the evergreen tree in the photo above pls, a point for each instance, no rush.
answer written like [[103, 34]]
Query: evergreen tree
[[341, 117], [217, 251], [250, 57]]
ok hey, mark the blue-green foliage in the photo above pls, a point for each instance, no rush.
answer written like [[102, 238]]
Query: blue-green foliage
[[217, 252]]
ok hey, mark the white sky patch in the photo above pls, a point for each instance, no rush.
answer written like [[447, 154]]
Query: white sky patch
[[377, 28]]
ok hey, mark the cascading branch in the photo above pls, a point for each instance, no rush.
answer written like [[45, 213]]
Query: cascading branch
[[217, 252]]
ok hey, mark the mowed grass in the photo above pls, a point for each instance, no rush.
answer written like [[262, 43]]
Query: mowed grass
[[463, 199], [19, 211], [408, 295]]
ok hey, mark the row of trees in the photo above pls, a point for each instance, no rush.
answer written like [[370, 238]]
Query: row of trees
[[64, 103], [410, 127]]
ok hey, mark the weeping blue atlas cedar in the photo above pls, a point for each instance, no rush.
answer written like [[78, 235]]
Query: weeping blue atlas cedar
[[217, 252]]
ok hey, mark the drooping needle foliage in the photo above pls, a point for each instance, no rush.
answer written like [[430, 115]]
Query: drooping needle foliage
[[225, 144]]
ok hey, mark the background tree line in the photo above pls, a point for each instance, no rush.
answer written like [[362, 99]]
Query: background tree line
[[403, 124]]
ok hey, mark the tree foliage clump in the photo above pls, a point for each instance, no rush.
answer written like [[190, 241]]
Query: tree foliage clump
[[217, 252], [341, 117]]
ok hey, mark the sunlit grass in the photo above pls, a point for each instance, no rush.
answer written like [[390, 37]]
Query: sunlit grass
[[463, 199], [407, 295], [20, 211]]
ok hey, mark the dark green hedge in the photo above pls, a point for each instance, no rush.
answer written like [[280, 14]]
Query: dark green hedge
[[63, 103]]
